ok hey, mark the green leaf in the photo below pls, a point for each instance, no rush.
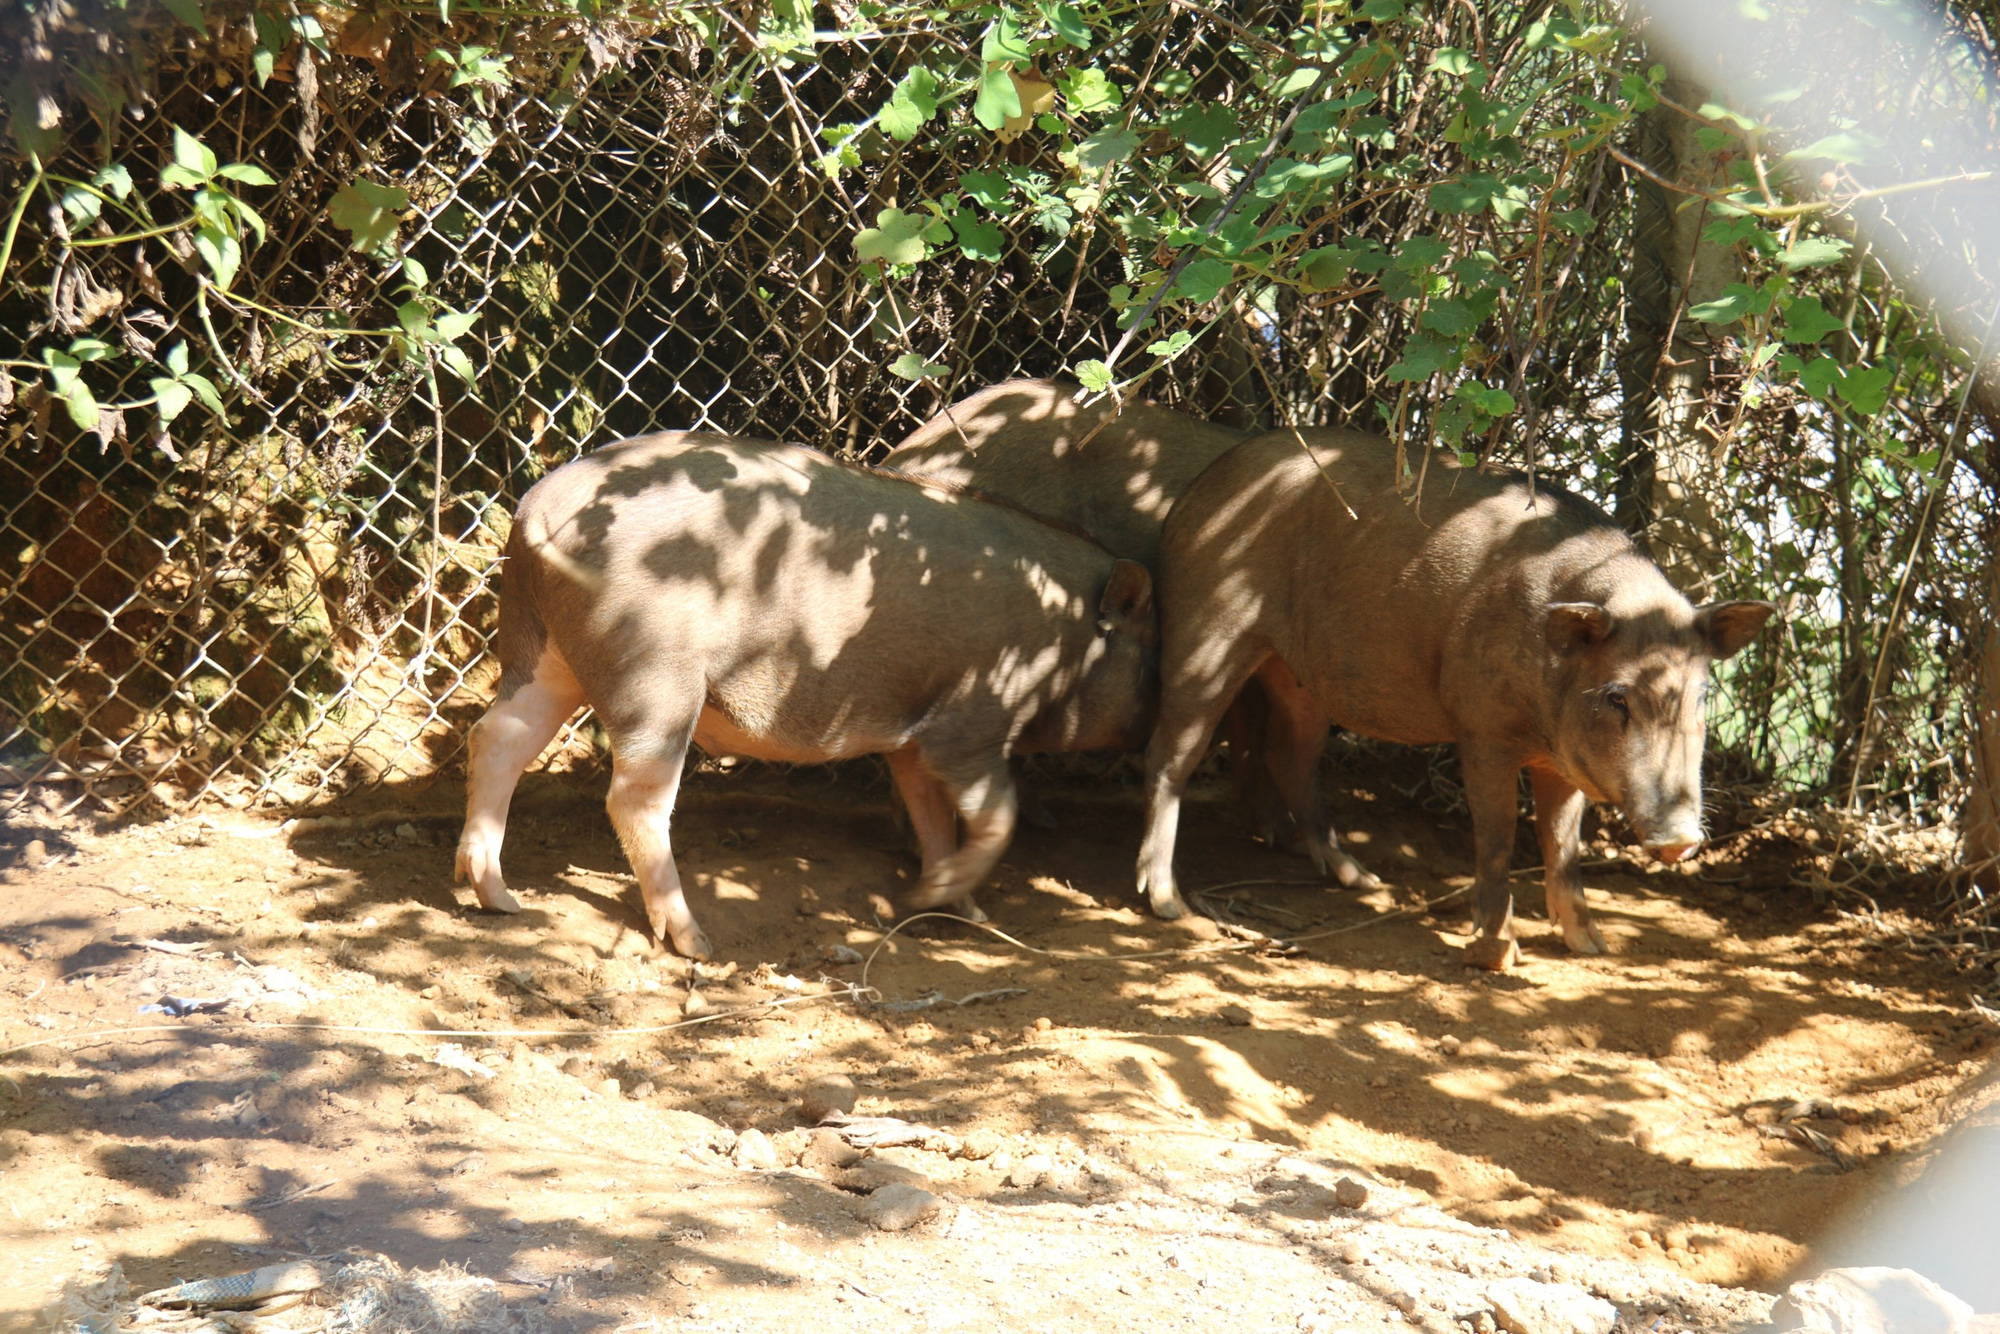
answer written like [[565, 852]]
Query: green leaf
[[1088, 90], [177, 358], [1423, 357], [1819, 376], [188, 12], [1093, 375], [81, 206], [115, 180], [1806, 321], [1381, 11], [414, 270], [998, 98], [1106, 148], [1420, 252], [247, 172], [984, 186], [1734, 303], [453, 324], [1840, 146], [910, 107], [1866, 388], [91, 349], [204, 389], [415, 318], [190, 154], [62, 368], [1068, 24], [1206, 129], [1454, 316], [454, 360], [1458, 197], [369, 211], [221, 252], [896, 238], [1451, 60], [1203, 280], [1575, 221], [1172, 345], [913, 367], [173, 398], [1814, 251], [1004, 43], [976, 239]]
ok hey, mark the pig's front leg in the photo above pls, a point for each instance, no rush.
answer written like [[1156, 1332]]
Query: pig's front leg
[[984, 794], [1559, 821], [933, 817], [1492, 784]]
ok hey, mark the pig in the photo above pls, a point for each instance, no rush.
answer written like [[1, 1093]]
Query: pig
[[764, 600], [1486, 609], [1112, 471]]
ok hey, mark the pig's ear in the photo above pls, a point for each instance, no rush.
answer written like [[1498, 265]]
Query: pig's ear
[[1128, 597], [1728, 626], [1575, 625]]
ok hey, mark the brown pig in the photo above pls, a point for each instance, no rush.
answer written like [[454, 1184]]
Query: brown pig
[[1499, 613], [764, 600], [1112, 473]]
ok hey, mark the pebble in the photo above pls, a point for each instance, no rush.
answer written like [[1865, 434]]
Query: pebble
[[1350, 1254], [1449, 1044], [979, 1145], [35, 854], [1236, 1015], [1043, 1024], [642, 1090], [826, 1148], [694, 1005], [1349, 1193], [753, 1152], [607, 1087], [1524, 1306], [872, 1174], [898, 1208], [1403, 1302], [513, 1225], [1872, 1299], [576, 1067], [823, 1097], [1030, 1171], [406, 831], [791, 1145], [1482, 1322]]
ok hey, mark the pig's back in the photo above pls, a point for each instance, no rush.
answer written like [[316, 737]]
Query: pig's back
[[1114, 474]]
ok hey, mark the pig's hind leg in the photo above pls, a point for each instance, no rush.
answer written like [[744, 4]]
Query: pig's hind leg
[[983, 791], [1294, 737], [504, 742], [646, 770]]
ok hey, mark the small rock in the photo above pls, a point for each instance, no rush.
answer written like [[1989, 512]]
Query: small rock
[[406, 831], [1030, 1171], [1349, 1193], [1754, 903], [694, 1006], [753, 1152], [872, 1174], [827, 1149], [79, 1243], [1449, 1044], [1403, 1302], [1524, 1306], [790, 1145], [979, 1145], [35, 854], [1043, 1024], [431, 992], [468, 1165], [607, 1087], [576, 1067], [1870, 1300], [823, 1097], [513, 1225], [900, 1208], [1482, 1322], [1350, 1254], [1236, 1015], [605, 1268], [840, 955], [642, 1090]]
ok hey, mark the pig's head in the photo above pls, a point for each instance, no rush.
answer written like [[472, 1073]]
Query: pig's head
[[1110, 699], [1630, 705]]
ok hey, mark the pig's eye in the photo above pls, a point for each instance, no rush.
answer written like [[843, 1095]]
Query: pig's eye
[[1616, 699]]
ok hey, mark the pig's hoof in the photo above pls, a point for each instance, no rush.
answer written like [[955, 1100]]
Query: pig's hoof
[[972, 912], [1169, 907], [499, 900], [1352, 874], [1585, 939], [693, 944], [1494, 953]]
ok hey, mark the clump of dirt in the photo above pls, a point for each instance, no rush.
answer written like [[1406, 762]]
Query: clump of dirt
[[1130, 1122]]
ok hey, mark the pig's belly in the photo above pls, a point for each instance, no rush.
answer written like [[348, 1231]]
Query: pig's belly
[[718, 734]]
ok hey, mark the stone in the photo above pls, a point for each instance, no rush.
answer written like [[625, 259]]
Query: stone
[[407, 832], [791, 1145], [1237, 1016], [898, 1208], [1525, 1306], [35, 855], [513, 1225], [826, 1149], [1349, 1193], [1871, 1300], [979, 1145], [753, 1152], [608, 1087], [824, 1097], [1403, 1302], [873, 1173], [1030, 1171]]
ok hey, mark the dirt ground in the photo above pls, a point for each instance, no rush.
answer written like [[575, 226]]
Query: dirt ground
[[1141, 1142]]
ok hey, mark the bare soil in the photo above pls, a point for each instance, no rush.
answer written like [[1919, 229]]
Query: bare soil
[[1159, 1136]]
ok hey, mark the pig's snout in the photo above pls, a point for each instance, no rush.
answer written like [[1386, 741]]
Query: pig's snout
[[1673, 850]]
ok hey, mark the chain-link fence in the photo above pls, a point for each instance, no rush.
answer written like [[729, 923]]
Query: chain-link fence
[[656, 232]]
